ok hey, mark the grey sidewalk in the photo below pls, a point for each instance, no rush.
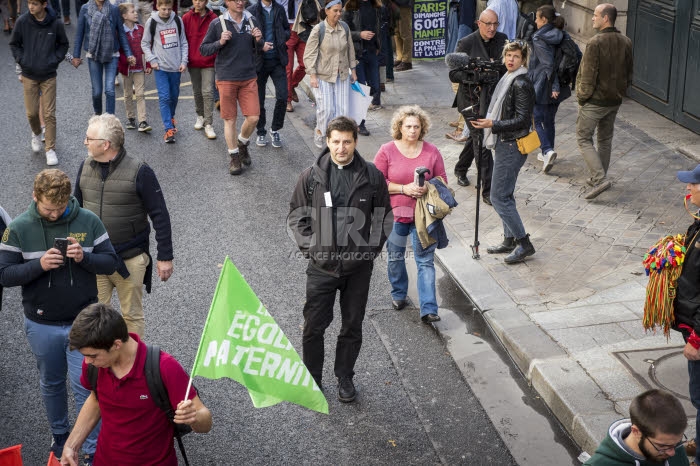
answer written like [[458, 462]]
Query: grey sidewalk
[[570, 316]]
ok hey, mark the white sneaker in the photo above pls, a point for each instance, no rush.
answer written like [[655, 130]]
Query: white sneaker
[[209, 132], [540, 157], [36, 142], [199, 124], [51, 158], [548, 161]]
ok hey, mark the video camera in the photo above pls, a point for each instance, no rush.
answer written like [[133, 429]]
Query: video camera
[[479, 71], [476, 75], [474, 71]]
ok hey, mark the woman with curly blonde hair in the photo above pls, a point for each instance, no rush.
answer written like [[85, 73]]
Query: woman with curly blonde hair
[[398, 161]]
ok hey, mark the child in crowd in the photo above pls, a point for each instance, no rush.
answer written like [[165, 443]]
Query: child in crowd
[[165, 46], [196, 23], [133, 76]]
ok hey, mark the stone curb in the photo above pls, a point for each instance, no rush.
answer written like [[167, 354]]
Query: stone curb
[[572, 396]]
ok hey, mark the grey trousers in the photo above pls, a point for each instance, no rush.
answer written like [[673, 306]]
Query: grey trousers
[[589, 118], [203, 90]]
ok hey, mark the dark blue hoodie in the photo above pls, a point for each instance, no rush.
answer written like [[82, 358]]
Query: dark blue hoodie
[[39, 46]]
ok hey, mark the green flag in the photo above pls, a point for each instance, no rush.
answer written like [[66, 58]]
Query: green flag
[[243, 342]]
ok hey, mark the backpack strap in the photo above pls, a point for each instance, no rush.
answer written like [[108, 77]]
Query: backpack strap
[[375, 177], [310, 184], [92, 373], [152, 28], [159, 394], [322, 32]]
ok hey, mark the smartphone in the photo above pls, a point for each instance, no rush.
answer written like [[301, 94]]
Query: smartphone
[[62, 245]]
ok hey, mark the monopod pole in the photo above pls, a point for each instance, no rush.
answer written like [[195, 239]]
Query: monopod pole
[[477, 136]]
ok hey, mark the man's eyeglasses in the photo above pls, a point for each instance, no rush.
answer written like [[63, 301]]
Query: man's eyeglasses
[[663, 449], [238, 1], [94, 139], [490, 25]]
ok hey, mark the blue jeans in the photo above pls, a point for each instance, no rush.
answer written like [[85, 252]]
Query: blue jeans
[[278, 73], [49, 343], [506, 166], [544, 124], [694, 389], [368, 73], [98, 72], [463, 31], [168, 86], [398, 277]]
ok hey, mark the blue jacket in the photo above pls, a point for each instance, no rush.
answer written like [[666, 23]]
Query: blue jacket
[[437, 229], [82, 34], [541, 66]]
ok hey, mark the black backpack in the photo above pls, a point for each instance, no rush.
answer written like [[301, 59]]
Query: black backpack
[[309, 12], [567, 58], [159, 394], [525, 27], [152, 28]]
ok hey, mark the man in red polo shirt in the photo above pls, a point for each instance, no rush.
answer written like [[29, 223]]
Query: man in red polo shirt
[[134, 429]]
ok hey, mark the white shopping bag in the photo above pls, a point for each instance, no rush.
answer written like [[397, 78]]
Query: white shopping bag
[[358, 103]]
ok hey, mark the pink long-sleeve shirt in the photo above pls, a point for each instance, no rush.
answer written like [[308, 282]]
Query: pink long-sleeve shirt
[[398, 168]]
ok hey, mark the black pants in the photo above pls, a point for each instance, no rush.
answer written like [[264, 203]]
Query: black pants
[[485, 166], [62, 6], [272, 69], [318, 315]]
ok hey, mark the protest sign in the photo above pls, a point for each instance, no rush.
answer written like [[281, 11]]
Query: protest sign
[[243, 342], [429, 28]]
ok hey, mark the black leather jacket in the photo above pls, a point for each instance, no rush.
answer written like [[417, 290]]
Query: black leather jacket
[[687, 302], [516, 113]]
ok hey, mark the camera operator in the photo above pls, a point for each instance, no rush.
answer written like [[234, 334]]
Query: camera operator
[[485, 43]]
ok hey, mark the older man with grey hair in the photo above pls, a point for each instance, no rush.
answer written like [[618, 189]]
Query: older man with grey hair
[[124, 192]]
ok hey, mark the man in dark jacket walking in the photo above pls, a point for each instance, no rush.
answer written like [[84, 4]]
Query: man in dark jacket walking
[[485, 43], [39, 44], [603, 77], [340, 214], [272, 64], [54, 251], [124, 193]]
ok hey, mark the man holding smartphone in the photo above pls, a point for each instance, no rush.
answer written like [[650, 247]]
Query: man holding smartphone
[[55, 289]]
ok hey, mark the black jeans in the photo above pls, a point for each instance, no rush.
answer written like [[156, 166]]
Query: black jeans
[[78, 5], [272, 69], [318, 314], [63, 7], [485, 167]]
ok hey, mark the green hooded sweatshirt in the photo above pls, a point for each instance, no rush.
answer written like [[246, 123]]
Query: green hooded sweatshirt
[[613, 452], [57, 296]]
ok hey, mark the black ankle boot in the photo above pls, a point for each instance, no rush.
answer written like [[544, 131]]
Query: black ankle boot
[[524, 249], [507, 245]]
